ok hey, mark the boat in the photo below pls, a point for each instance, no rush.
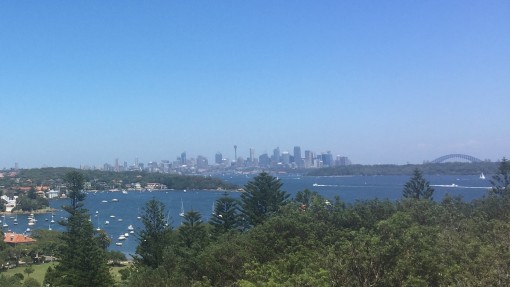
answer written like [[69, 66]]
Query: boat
[[115, 200], [130, 227], [124, 191], [107, 222], [181, 214], [120, 219], [104, 201], [132, 232], [118, 243], [31, 220], [482, 176], [126, 234], [122, 237], [16, 220]]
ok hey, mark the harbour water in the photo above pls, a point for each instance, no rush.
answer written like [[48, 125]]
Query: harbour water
[[122, 209]]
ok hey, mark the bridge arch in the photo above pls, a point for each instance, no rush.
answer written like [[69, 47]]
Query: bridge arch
[[456, 155]]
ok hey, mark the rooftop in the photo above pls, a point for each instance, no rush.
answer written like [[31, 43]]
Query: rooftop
[[14, 238]]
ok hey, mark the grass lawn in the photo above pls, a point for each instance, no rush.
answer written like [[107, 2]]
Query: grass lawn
[[38, 274], [40, 271]]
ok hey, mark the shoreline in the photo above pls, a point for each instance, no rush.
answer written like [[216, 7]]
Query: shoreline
[[40, 211]]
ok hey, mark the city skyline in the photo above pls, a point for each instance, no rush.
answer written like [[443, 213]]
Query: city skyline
[[380, 82], [277, 155]]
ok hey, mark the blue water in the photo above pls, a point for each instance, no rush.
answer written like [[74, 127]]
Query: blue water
[[348, 188]]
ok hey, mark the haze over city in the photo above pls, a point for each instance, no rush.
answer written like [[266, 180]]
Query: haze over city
[[84, 83]]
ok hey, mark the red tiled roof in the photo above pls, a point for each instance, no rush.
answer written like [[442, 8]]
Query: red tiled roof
[[11, 237]]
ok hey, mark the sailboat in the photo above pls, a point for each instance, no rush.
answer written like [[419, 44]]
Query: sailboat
[[167, 219], [182, 209], [52, 220], [212, 210], [98, 228], [482, 176], [16, 220]]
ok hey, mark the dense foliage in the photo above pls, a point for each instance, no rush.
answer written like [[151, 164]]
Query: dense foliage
[[101, 180], [82, 259], [311, 241], [262, 198]]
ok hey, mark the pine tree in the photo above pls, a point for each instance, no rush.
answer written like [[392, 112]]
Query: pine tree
[[501, 180], [417, 187], [226, 214], [82, 260], [262, 198], [154, 237], [192, 232]]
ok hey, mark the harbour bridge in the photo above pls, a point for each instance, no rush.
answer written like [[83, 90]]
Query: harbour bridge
[[456, 156]]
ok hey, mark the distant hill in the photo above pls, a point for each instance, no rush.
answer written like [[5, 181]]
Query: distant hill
[[449, 168], [101, 180]]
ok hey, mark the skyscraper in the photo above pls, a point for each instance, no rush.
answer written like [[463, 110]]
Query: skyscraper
[[183, 158], [202, 162], [252, 155], [276, 155], [286, 158], [297, 156], [218, 158]]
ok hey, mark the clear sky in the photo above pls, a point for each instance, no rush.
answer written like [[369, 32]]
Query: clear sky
[[85, 82]]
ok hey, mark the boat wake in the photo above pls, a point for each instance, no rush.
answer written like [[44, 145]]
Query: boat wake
[[453, 185], [315, 184]]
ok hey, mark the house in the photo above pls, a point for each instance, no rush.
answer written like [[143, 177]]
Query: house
[[52, 194], [10, 203], [13, 239]]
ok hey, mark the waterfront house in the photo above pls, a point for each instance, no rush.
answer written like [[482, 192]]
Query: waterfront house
[[14, 239]]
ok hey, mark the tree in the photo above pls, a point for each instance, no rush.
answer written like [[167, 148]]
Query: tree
[[417, 187], [226, 214], [154, 237], [82, 259], [501, 180], [192, 232], [192, 239], [262, 198], [29, 270]]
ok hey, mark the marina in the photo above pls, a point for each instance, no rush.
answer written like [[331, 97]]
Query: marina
[[123, 217]]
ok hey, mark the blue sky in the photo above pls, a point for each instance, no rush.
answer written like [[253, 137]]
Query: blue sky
[[85, 82]]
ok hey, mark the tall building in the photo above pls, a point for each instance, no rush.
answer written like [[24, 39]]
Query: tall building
[[276, 155], [202, 162], [342, 160], [308, 159], [183, 158], [327, 159], [264, 160], [297, 156], [218, 158], [286, 158], [252, 155]]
